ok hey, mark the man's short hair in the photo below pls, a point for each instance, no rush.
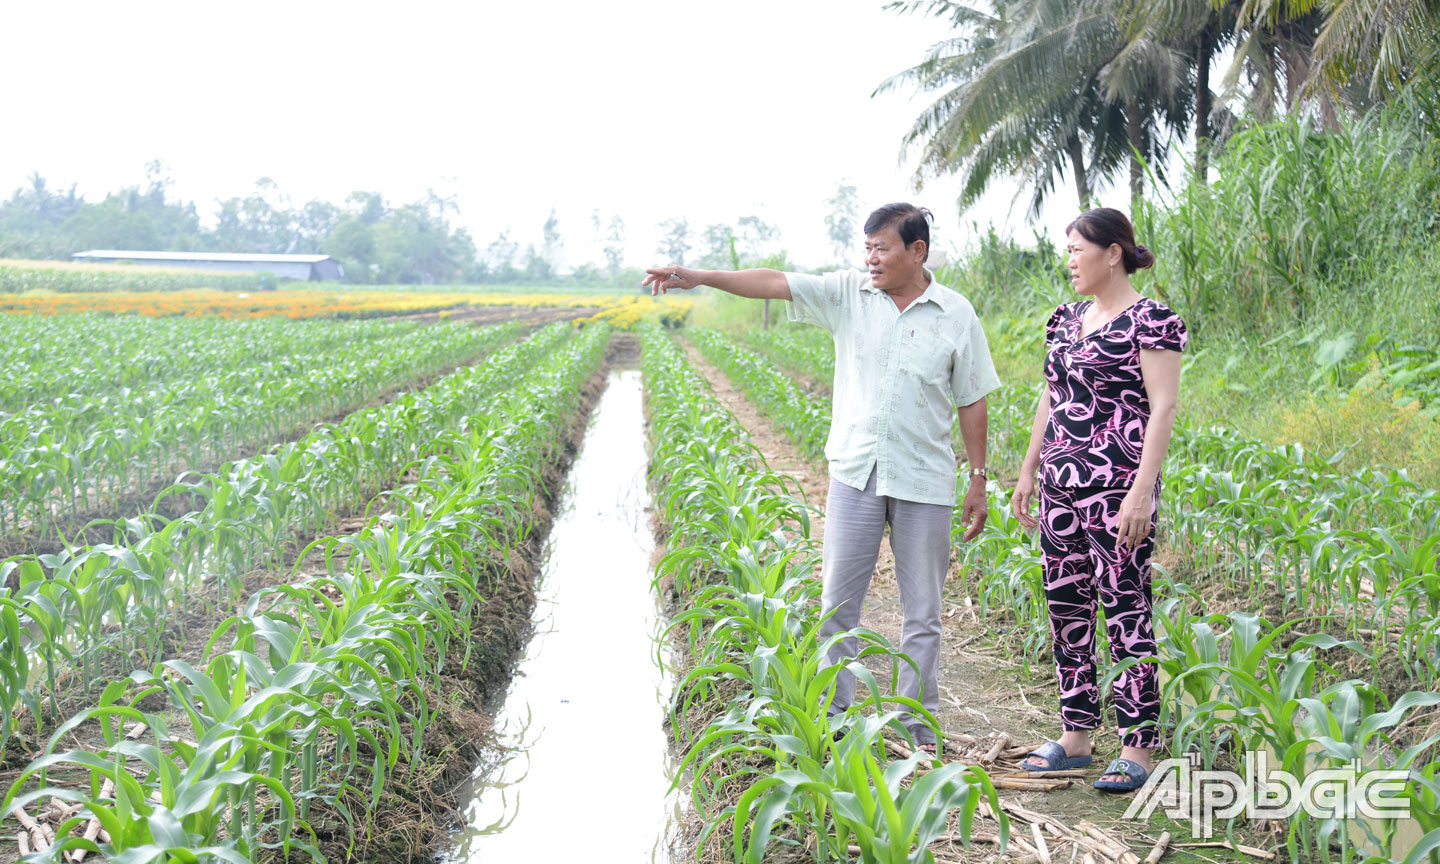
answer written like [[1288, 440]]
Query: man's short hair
[[910, 222]]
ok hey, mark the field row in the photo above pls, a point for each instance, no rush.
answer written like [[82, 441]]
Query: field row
[[68, 445], [1338, 571], [18, 276], [751, 712], [304, 702]]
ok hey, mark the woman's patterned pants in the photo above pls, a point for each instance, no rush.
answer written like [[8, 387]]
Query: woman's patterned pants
[[1078, 530]]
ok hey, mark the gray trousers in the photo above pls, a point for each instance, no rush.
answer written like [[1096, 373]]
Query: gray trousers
[[920, 538]]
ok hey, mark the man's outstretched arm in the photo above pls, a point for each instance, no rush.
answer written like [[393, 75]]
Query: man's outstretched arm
[[757, 284]]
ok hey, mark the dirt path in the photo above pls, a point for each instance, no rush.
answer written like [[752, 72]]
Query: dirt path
[[984, 692]]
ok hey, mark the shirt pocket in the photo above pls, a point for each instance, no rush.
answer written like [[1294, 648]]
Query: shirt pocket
[[925, 358]]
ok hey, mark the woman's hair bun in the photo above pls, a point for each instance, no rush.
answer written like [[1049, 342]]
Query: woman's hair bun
[[1143, 257]]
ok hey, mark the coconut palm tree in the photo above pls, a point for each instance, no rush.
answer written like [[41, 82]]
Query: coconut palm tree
[[1379, 45], [1028, 89], [1194, 31]]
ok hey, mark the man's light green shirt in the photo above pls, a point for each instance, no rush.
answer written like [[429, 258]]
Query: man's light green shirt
[[899, 376]]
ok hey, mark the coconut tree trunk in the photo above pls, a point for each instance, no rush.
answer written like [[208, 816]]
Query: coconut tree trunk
[[1204, 104], [1133, 131], [1294, 77], [1076, 150]]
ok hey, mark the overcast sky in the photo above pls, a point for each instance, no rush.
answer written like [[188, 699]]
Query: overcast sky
[[649, 109]]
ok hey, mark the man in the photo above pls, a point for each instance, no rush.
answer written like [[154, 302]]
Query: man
[[906, 349]]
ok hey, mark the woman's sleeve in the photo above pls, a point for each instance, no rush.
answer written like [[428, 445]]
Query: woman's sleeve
[[1162, 330], [1052, 327]]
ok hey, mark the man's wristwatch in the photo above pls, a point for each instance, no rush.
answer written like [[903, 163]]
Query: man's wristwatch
[[979, 472]]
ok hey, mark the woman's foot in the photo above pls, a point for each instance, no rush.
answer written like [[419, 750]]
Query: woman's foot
[[1138, 755], [1076, 743]]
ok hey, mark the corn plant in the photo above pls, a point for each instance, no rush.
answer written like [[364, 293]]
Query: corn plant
[[752, 711], [892, 823], [318, 686], [68, 446], [806, 351], [74, 598], [805, 418]]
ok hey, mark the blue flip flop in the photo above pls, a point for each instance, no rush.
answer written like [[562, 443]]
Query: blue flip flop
[[1056, 759], [1135, 772]]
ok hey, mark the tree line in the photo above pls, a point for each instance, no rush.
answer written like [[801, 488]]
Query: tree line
[[377, 242]]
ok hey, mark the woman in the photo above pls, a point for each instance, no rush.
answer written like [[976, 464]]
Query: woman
[[1112, 372]]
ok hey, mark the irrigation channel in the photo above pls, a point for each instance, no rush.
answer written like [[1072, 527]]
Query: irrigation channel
[[587, 758]]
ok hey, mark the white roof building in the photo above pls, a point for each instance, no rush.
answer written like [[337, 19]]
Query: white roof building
[[301, 267]]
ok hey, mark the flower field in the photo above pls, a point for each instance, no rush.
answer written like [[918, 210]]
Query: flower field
[[622, 310]]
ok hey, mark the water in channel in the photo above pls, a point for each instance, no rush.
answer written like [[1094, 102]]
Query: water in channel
[[590, 769]]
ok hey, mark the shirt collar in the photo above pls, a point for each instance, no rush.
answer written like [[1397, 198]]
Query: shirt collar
[[934, 292]]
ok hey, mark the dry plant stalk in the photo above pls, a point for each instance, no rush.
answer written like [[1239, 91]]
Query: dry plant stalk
[[1028, 784], [1109, 846], [1159, 851], [1236, 847], [1040, 846], [994, 753], [1067, 773], [1031, 816], [92, 828], [60, 811], [37, 836]]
